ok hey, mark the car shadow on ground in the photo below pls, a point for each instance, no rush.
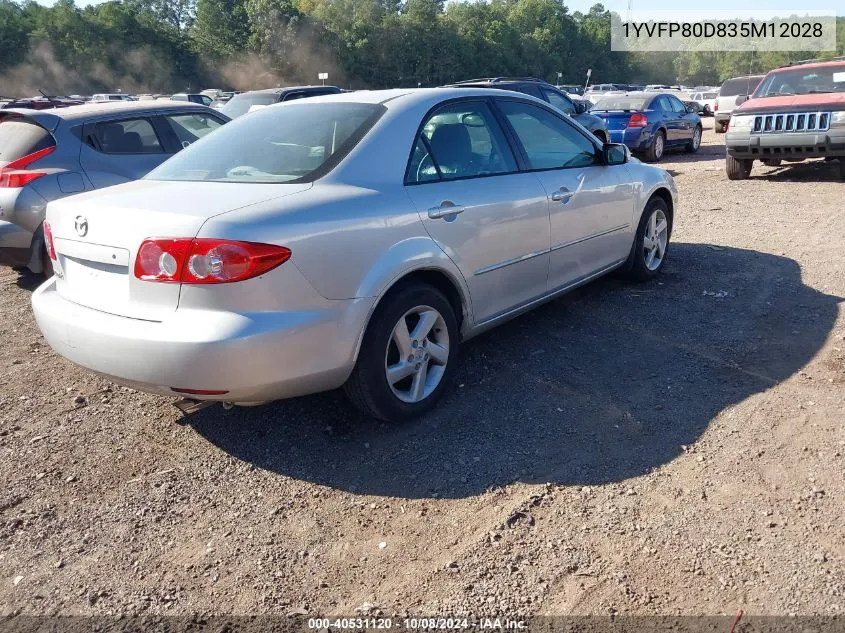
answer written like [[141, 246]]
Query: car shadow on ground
[[814, 170], [600, 386]]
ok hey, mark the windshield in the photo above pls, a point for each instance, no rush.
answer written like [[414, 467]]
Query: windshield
[[802, 81], [738, 86], [240, 104], [274, 145], [621, 102]]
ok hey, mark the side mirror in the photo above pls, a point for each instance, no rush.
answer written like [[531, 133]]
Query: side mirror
[[615, 153], [741, 99], [580, 107]]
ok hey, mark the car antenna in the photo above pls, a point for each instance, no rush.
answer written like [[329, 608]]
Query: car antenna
[[46, 96]]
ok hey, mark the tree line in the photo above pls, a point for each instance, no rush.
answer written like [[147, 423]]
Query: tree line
[[175, 45]]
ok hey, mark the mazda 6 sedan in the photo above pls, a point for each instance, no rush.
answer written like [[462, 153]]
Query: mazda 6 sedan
[[348, 240]]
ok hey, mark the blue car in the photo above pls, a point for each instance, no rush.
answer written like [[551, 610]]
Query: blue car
[[650, 123]]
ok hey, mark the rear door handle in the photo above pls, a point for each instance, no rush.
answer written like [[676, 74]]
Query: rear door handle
[[447, 208]]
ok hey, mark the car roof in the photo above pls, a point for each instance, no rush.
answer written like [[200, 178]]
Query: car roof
[[51, 117], [402, 97], [827, 64], [281, 90]]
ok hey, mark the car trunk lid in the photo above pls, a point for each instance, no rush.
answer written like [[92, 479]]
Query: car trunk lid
[[616, 119], [96, 236]]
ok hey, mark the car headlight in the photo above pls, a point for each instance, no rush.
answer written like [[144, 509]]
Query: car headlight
[[741, 122], [837, 119]]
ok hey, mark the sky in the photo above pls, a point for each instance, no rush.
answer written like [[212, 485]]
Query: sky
[[790, 6]]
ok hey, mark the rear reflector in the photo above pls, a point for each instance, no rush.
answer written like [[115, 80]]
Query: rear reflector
[[638, 120], [200, 392], [205, 261], [48, 241]]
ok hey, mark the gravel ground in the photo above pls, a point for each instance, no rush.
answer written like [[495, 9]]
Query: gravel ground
[[669, 448]]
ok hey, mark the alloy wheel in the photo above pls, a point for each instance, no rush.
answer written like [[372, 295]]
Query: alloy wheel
[[655, 240], [417, 353]]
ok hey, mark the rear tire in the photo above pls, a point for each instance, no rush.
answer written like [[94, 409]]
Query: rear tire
[[648, 255], [738, 169], [657, 149], [46, 263], [424, 373], [719, 128]]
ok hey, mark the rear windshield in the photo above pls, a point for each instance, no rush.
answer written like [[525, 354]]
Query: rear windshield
[[19, 137], [294, 143], [240, 104], [620, 102], [740, 86]]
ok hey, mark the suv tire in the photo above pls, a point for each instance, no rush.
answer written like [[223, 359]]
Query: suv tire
[[738, 169]]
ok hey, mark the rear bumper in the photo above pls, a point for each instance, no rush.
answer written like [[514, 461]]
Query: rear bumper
[[253, 356], [15, 244], [637, 139], [743, 145]]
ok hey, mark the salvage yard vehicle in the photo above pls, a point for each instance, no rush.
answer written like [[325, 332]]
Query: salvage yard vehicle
[[706, 101], [352, 239], [50, 154], [649, 123], [731, 95], [577, 109], [245, 102], [797, 112]]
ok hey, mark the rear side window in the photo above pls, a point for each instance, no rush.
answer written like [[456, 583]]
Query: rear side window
[[20, 137], [561, 103], [461, 140], [130, 136], [189, 128]]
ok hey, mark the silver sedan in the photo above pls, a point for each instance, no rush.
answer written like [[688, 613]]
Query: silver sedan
[[350, 240]]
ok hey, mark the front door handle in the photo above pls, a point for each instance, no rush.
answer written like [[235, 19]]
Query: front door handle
[[446, 209], [563, 195]]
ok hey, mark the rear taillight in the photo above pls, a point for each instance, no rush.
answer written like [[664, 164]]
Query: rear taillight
[[638, 120], [716, 107], [15, 174], [205, 261], [48, 241]]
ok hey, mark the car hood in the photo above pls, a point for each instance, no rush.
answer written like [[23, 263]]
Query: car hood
[[821, 101]]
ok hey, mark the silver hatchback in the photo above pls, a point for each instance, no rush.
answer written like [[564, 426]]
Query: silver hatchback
[[49, 154], [353, 239]]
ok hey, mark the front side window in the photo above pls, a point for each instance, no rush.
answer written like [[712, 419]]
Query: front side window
[[189, 128], [130, 136], [460, 140], [549, 142], [561, 103], [295, 143]]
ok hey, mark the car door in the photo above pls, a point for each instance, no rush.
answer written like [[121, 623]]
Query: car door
[[487, 216], [664, 118], [119, 150], [591, 204], [685, 119]]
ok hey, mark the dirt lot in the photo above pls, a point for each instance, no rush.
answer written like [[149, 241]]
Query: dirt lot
[[679, 446]]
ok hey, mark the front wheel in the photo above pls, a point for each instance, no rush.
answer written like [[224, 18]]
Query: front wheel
[[737, 169], [695, 141], [651, 241], [408, 354]]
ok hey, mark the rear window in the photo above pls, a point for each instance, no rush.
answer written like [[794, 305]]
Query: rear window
[[19, 137], [621, 102], [295, 143], [240, 104], [741, 86]]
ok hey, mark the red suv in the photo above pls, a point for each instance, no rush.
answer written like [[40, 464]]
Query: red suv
[[796, 112]]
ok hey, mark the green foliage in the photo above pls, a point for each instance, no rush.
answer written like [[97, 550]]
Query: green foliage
[[169, 45]]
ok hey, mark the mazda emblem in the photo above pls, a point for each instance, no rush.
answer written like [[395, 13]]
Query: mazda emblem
[[81, 225]]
